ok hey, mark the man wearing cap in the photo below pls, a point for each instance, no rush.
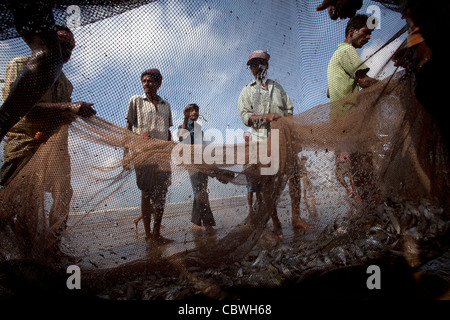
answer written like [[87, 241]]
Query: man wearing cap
[[149, 115], [54, 109], [261, 102]]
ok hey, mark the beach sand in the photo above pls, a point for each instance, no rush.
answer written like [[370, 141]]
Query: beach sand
[[107, 238]]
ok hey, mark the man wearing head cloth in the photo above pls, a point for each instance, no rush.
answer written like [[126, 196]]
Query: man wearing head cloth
[[54, 109], [35, 23], [150, 116], [262, 101]]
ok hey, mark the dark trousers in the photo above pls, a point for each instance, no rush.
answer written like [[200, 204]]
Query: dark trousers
[[201, 209]]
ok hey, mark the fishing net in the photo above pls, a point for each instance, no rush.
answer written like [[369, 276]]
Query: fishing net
[[78, 192]]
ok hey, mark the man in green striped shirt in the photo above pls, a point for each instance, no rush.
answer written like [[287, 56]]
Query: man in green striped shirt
[[346, 75], [346, 72]]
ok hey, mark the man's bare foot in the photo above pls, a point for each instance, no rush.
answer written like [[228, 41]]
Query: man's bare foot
[[197, 226], [162, 240], [210, 230]]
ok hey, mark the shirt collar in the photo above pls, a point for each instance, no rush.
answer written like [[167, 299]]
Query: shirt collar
[[343, 44], [254, 82], [160, 100]]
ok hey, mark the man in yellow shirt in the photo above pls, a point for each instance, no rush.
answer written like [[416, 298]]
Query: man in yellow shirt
[[346, 75], [346, 72]]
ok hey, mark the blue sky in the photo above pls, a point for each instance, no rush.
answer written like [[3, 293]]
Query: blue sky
[[201, 49]]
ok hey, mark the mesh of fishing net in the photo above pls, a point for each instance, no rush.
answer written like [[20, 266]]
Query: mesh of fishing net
[[78, 194]]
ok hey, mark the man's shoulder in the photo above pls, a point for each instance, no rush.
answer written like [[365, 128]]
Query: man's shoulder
[[140, 98], [345, 47], [17, 63], [137, 97], [254, 82], [250, 84], [165, 105], [342, 54], [276, 85], [163, 101], [19, 60], [248, 88], [194, 125], [65, 80], [197, 125]]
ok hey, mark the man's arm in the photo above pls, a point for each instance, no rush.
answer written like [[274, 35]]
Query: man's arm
[[81, 108], [126, 166], [129, 126], [13, 70], [258, 120], [170, 125], [289, 105], [245, 109], [131, 118], [182, 131], [355, 68], [340, 8], [248, 117]]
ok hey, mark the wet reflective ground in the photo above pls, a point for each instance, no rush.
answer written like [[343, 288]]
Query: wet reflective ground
[[105, 239], [328, 261]]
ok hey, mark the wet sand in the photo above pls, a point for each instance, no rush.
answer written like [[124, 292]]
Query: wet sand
[[107, 238]]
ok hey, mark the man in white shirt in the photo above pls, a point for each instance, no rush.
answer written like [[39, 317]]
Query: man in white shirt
[[150, 116], [261, 102]]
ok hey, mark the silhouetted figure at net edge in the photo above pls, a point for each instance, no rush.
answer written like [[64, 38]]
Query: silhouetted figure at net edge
[[52, 111], [35, 23]]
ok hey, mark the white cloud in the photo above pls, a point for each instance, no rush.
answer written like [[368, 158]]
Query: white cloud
[[162, 35]]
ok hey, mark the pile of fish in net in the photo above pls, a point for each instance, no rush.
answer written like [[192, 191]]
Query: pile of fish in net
[[404, 239]]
